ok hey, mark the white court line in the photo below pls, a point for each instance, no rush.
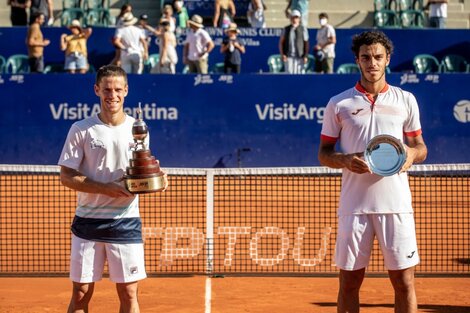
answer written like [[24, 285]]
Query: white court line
[[208, 295]]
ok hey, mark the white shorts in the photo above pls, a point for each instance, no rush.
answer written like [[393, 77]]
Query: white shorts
[[125, 261], [395, 233]]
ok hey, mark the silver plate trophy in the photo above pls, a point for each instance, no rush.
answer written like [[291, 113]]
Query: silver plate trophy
[[143, 175], [385, 155]]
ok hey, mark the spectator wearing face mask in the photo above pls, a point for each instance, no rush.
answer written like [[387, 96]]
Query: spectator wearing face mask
[[324, 50]]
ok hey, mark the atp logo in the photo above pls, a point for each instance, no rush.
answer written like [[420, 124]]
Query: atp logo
[[462, 111]]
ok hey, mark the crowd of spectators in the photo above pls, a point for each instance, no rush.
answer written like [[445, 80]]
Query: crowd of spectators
[[133, 37]]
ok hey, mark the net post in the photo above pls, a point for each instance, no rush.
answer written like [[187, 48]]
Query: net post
[[209, 221]]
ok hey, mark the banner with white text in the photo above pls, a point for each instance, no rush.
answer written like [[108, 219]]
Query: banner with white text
[[220, 120]]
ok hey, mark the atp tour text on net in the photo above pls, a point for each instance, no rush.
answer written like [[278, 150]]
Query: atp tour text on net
[[188, 242]]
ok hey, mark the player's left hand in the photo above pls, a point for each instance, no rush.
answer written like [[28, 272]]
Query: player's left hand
[[165, 179]]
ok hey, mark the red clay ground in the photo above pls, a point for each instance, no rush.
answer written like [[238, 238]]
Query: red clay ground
[[233, 295]]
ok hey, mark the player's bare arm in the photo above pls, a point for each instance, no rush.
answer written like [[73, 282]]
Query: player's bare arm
[[331, 158], [75, 180], [416, 151]]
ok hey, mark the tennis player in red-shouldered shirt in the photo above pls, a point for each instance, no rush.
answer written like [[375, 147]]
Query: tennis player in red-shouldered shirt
[[372, 205]]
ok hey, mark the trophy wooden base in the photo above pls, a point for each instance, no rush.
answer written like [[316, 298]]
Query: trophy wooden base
[[144, 174]]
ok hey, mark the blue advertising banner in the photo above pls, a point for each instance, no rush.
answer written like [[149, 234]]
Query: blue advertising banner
[[220, 120], [260, 44]]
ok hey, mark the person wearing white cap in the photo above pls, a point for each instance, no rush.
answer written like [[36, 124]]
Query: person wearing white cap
[[75, 48], [301, 6], [293, 45], [133, 44], [197, 46]]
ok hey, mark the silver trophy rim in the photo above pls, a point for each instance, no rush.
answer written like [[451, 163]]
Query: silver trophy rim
[[373, 159]]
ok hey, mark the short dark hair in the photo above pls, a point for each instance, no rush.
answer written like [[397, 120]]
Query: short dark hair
[[109, 71], [323, 15], [369, 38]]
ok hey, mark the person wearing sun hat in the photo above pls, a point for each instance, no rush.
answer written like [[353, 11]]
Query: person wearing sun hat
[[233, 49], [75, 47], [197, 46], [133, 44]]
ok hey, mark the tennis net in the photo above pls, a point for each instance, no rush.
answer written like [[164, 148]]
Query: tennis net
[[264, 221]]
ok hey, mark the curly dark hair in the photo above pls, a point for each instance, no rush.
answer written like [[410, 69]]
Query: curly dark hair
[[369, 38]]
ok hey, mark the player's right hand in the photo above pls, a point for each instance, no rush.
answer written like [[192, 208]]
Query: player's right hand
[[356, 163], [117, 190]]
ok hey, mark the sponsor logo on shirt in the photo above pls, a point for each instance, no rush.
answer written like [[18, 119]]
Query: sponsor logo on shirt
[[96, 143]]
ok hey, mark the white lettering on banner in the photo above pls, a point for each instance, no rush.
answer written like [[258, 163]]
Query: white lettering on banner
[[193, 240], [433, 78], [409, 79], [289, 112], [78, 112], [17, 78], [270, 32], [203, 79], [83, 110], [462, 111]]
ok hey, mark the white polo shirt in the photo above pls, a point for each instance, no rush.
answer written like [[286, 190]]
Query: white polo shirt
[[353, 118], [197, 41], [102, 152], [323, 34], [130, 37]]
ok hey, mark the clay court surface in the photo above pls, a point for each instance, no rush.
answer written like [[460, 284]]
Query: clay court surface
[[255, 206], [233, 295]]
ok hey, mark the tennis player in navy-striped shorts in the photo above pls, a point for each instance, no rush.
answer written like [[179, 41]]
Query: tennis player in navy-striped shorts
[[107, 225]]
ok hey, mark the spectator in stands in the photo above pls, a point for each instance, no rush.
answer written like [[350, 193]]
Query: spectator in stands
[[324, 50], [197, 46], [146, 28], [126, 8], [224, 13], [75, 47], [255, 14], [233, 49], [19, 15], [294, 45], [181, 13], [131, 40], [373, 206], [45, 7], [167, 14], [117, 55], [301, 6], [167, 48], [36, 43], [437, 13]]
